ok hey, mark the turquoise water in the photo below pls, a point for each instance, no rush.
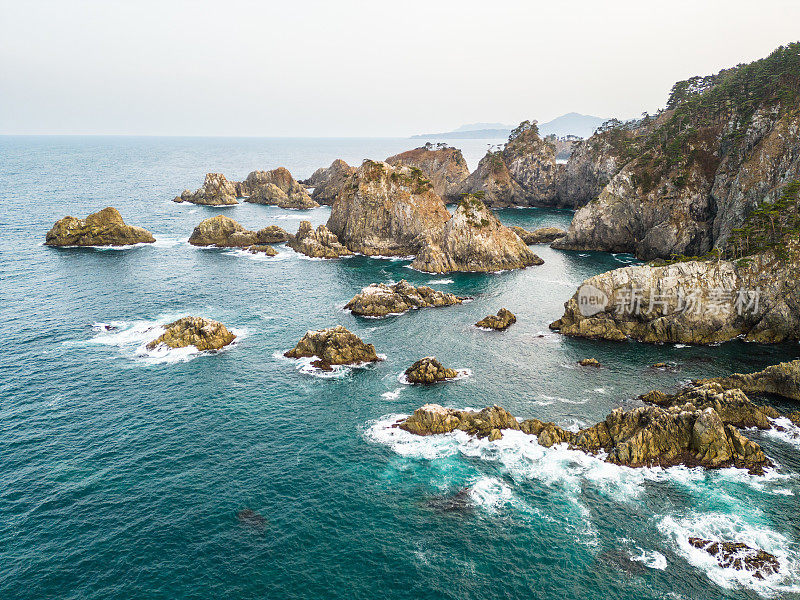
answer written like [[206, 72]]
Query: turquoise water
[[121, 473]]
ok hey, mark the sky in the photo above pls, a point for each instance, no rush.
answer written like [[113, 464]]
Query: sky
[[350, 68]]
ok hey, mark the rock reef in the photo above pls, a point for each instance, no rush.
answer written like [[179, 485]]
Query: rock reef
[[224, 232], [380, 299], [782, 379], [740, 557], [502, 320], [643, 436], [215, 191], [201, 333], [429, 370], [328, 182], [444, 167], [333, 346], [103, 228], [319, 243]]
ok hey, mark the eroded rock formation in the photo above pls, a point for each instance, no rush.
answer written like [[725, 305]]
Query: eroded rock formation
[[224, 232], [740, 557], [781, 380], [201, 333], [380, 299], [215, 191], [333, 346], [103, 228], [328, 182], [543, 235], [276, 187], [444, 167], [502, 320], [429, 370], [319, 243]]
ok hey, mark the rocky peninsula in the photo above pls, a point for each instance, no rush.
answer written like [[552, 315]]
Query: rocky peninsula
[[333, 346], [103, 228], [201, 333], [380, 299]]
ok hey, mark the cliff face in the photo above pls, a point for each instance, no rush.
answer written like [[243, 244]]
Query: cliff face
[[328, 182], [387, 211], [686, 179], [444, 167], [699, 302], [523, 173]]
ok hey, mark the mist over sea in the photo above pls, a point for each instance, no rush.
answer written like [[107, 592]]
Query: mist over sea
[[122, 470]]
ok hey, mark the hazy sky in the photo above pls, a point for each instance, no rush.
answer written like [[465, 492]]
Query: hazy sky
[[353, 68]]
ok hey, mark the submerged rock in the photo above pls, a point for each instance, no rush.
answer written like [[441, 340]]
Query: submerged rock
[[251, 518], [781, 380], [643, 436], [429, 370], [203, 334], [740, 557], [333, 346], [317, 244], [543, 235], [695, 302], [103, 228], [276, 187], [328, 182], [461, 501], [445, 167], [502, 320], [380, 299], [224, 232], [474, 240], [215, 191]]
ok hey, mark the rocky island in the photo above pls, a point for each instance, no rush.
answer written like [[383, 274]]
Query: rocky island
[[380, 299], [276, 187], [429, 370], [502, 320], [215, 191], [333, 346], [103, 228], [201, 333], [224, 232]]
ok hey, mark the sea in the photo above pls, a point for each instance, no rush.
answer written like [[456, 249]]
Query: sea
[[124, 472]]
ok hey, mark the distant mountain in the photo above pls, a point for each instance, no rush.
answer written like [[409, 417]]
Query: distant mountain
[[569, 124]]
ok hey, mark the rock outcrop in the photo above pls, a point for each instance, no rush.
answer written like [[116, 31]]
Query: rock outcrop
[[215, 191], [429, 370], [380, 299], [224, 232], [695, 302], [387, 211], [589, 362], [444, 167], [643, 436], [276, 187], [523, 173], [328, 182], [272, 234], [502, 320], [543, 235], [782, 379], [201, 333], [474, 240], [740, 557], [103, 228], [333, 346], [317, 244], [689, 177]]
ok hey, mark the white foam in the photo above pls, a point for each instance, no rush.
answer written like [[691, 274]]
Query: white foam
[[788, 432], [336, 371], [650, 558], [440, 281], [734, 528], [166, 241], [259, 256], [491, 494], [393, 395]]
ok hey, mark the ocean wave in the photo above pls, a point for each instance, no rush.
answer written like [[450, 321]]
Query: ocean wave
[[259, 256], [166, 241], [733, 527], [784, 430]]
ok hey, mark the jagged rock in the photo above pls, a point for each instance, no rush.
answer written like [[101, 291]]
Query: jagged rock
[[794, 417], [445, 168], [474, 240], [103, 228], [643, 436], [328, 182], [317, 244], [215, 191], [276, 187], [432, 419], [387, 211], [380, 299], [502, 320], [224, 232], [429, 370], [543, 235], [732, 405], [261, 249], [523, 173], [589, 362], [782, 380], [738, 556], [272, 234], [201, 333], [333, 346], [697, 302]]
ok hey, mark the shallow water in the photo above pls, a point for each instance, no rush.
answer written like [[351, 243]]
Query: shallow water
[[122, 471]]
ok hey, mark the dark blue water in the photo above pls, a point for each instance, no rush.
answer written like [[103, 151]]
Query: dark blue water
[[121, 472]]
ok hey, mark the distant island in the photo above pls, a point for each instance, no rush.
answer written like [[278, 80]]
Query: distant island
[[569, 124]]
